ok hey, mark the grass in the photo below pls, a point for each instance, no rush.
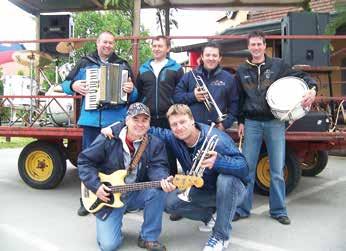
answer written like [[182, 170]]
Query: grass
[[14, 142]]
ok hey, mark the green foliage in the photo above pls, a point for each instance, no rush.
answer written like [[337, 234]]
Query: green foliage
[[14, 142], [90, 24], [338, 21]]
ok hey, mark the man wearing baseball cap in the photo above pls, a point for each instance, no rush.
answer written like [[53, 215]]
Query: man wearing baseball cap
[[107, 156]]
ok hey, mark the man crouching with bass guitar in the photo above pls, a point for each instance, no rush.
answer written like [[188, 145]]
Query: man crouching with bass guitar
[[132, 156]]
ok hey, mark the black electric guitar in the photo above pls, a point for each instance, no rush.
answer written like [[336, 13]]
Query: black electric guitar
[[115, 182]]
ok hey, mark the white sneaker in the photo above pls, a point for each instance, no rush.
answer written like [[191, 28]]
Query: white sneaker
[[209, 226], [215, 244]]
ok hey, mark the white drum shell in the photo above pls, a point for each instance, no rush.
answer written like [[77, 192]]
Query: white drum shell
[[284, 97], [56, 115], [15, 85]]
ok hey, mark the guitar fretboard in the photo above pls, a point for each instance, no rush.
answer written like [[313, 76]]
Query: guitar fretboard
[[135, 186]]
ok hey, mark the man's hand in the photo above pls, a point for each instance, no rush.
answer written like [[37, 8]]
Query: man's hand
[[240, 130], [103, 193], [200, 94], [128, 86], [166, 184], [210, 160], [107, 131], [309, 98], [80, 87]]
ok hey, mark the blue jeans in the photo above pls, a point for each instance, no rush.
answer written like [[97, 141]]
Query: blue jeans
[[109, 235], [273, 133], [89, 135], [229, 193]]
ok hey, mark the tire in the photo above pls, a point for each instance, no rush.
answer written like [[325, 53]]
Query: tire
[[314, 163], [41, 165], [292, 173]]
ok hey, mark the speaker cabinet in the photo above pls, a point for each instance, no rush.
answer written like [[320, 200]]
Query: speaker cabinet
[[54, 26], [307, 52]]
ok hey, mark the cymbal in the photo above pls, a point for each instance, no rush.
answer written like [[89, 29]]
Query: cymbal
[[67, 47], [32, 57]]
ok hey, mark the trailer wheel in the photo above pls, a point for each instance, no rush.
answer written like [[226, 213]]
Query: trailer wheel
[[292, 173], [41, 165], [314, 163]]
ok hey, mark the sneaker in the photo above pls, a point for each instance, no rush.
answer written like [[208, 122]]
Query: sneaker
[[237, 217], [150, 245], [215, 244], [175, 217], [82, 210], [207, 227], [283, 220]]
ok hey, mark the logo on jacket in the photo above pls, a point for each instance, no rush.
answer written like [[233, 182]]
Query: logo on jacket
[[268, 73], [218, 83]]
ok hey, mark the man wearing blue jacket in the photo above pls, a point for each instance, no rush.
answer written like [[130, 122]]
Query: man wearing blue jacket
[[220, 84], [109, 155], [93, 120], [156, 81], [225, 174]]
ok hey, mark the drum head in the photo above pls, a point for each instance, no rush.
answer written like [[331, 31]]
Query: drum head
[[284, 96]]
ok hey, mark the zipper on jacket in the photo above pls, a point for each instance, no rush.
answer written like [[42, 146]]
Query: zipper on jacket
[[259, 76]]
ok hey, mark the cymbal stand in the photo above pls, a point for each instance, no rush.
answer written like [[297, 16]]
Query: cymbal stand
[[45, 77]]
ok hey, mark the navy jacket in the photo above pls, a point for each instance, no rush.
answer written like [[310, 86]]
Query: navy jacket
[[107, 114], [106, 156], [254, 81], [222, 87], [157, 93], [229, 160]]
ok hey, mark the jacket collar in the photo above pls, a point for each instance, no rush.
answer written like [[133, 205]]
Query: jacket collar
[[202, 71], [95, 58], [267, 62]]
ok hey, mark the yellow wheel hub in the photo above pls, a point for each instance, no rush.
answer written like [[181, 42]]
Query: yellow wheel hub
[[263, 172], [39, 166]]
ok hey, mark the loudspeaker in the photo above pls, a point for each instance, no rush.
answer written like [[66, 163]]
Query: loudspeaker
[[54, 26], [306, 52]]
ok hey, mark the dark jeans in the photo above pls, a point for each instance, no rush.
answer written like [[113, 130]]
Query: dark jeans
[[229, 193], [163, 123]]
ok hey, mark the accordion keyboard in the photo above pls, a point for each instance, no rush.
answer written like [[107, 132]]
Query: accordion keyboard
[[92, 79]]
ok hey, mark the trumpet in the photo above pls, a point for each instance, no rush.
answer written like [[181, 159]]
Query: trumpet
[[209, 101], [197, 170]]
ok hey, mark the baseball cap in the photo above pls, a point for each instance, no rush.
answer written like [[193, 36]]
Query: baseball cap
[[138, 108]]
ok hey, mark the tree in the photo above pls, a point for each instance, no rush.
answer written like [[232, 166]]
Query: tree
[[160, 14]]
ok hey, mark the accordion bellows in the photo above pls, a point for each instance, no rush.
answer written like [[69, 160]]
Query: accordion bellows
[[105, 86]]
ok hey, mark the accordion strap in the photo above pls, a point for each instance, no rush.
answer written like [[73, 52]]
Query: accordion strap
[[138, 154]]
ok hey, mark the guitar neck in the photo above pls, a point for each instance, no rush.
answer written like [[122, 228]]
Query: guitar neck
[[135, 186]]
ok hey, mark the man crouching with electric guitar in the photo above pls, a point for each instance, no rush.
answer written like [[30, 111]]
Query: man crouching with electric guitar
[[134, 156]]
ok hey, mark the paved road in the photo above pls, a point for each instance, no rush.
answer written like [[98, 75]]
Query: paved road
[[46, 220]]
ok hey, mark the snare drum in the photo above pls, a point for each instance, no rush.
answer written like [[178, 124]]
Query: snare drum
[[16, 85], [57, 115], [284, 98], [64, 70]]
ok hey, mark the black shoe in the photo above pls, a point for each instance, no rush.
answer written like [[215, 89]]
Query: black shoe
[[175, 217], [237, 217], [283, 220], [150, 245], [82, 211]]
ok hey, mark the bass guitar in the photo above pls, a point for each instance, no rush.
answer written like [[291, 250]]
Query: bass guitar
[[115, 182]]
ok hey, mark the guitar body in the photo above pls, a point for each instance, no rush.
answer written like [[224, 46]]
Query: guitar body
[[94, 204], [115, 182]]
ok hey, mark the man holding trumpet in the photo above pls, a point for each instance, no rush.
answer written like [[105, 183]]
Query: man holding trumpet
[[209, 91], [223, 169]]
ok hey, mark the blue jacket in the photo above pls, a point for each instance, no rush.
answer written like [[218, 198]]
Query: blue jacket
[[229, 160], [106, 156], [107, 114], [157, 93], [222, 87]]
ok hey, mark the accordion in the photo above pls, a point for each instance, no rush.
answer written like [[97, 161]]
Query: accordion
[[105, 86]]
